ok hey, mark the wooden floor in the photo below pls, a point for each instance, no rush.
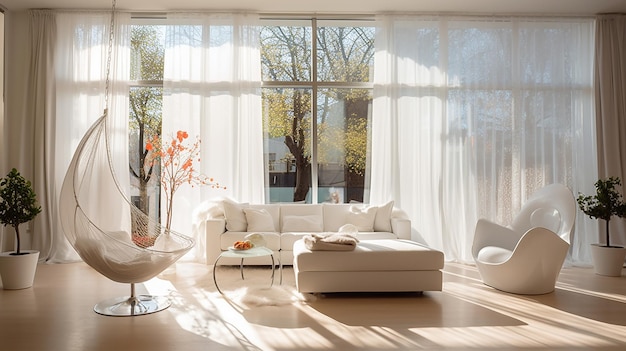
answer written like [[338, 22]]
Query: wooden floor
[[586, 312]]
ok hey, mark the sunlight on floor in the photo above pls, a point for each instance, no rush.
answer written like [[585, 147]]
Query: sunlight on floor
[[467, 314]]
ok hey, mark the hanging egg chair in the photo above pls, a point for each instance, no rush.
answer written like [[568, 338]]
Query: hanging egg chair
[[108, 232]]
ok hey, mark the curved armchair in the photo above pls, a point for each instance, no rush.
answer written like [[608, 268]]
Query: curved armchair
[[526, 257]]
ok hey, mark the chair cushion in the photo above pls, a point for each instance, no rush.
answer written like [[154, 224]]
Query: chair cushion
[[493, 254]]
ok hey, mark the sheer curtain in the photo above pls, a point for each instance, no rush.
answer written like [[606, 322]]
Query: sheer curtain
[[80, 64], [212, 81], [472, 115]]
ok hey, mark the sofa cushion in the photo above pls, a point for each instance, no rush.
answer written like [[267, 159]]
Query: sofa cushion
[[362, 217], [372, 255], [375, 235], [335, 216], [273, 210], [289, 238], [310, 223], [235, 217], [290, 212], [300, 209], [382, 223], [259, 220]]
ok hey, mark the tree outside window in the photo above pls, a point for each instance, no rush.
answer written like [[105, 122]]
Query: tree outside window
[[145, 101], [337, 91]]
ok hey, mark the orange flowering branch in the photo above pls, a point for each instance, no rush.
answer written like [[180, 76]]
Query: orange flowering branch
[[177, 167]]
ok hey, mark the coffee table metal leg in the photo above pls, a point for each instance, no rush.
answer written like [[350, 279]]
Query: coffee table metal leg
[[241, 268], [214, 279], [280, 270], [272, 284], [241, 271]]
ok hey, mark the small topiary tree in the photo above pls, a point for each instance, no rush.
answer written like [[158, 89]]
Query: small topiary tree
[[606, 203], [18, 203]]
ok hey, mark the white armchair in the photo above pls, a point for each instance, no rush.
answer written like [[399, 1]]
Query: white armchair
[[526, 257]]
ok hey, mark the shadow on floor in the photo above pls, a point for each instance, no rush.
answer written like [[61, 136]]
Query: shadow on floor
[[601, 309], [408, 310]]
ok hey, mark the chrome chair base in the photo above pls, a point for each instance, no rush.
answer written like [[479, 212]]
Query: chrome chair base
[[127, 306]]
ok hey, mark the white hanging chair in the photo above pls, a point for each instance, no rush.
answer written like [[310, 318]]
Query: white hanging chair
[[126, 245], [119, 241]]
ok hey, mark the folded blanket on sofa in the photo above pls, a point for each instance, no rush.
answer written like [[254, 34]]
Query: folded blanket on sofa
[[330, 242]]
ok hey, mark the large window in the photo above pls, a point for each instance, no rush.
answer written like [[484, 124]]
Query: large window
[[145, 103], [469, 114], [307, 159], [316, 109]]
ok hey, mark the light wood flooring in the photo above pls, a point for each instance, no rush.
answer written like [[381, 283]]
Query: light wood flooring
[[586, 312]]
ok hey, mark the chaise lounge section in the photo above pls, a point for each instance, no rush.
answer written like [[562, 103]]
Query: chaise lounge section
[[383, 265]]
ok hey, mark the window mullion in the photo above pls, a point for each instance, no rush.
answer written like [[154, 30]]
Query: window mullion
[[314, 166]]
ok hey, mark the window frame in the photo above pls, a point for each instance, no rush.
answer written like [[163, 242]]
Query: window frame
[[314, 84]]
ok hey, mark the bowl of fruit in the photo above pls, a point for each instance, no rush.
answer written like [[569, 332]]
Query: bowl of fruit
[[242, 245]]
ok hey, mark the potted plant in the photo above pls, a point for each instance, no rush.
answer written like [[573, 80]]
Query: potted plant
[[606, 203], [18, 204]]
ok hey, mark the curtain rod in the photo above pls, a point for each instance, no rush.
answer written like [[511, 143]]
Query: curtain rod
[[340, 16]]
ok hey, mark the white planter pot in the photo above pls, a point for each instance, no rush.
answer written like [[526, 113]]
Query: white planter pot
[[18, 271], [608, 261]]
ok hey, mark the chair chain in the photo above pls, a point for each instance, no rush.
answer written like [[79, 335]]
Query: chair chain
[[109, 55]]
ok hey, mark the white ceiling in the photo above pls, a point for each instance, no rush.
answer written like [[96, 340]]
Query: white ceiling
[[556, 7]]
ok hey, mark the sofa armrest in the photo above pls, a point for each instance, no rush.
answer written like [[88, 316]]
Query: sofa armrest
[[401, 227], [214, 228]]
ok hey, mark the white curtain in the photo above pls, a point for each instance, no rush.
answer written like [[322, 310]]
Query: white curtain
[[472, 115], [80, 63], [212, 81], [610, 84], [36, 125]]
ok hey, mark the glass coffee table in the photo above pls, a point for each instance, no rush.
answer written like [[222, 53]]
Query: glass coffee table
[[243, 254]]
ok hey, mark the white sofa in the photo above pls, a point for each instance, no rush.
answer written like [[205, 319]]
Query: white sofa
[[283, 224]]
